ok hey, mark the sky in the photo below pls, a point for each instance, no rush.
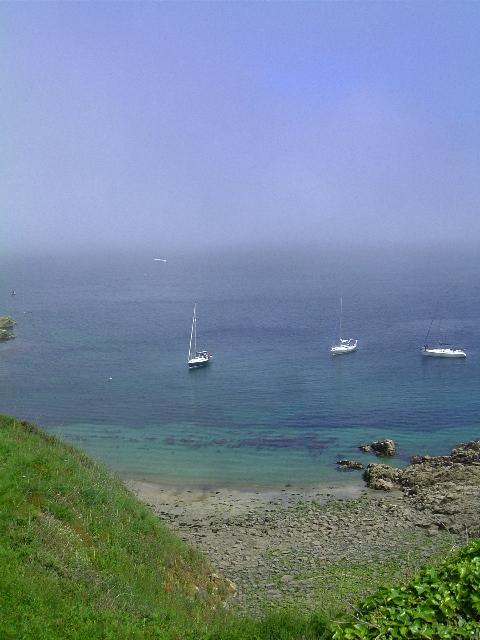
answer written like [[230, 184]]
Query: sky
[[165, 125]]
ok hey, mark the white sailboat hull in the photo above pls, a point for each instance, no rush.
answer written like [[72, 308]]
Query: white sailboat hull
[[199, 360], [344, 346], [443, 352]]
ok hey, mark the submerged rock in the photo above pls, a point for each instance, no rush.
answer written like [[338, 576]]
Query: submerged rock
[[350, 464], [380, 447]]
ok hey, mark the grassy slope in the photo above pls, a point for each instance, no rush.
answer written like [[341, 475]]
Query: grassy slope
[[82, 558]]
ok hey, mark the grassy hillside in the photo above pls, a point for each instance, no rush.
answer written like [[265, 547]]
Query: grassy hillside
[[82, 558]]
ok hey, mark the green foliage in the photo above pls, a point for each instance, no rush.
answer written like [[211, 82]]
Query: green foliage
[[441, 602]]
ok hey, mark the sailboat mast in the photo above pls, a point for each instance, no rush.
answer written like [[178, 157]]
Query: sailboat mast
[[429, 329], [191, 335], [341, 313], [195, 328], [435, 315]]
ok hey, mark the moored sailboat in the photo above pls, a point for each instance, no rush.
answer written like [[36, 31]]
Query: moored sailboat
[[441, 349], [196, 358], [343, 345]]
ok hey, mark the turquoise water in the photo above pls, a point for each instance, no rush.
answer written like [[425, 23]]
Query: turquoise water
[[273, 407]]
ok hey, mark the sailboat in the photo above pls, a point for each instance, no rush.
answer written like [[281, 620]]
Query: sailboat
[[343, 345], [196, 358], [442, 349]]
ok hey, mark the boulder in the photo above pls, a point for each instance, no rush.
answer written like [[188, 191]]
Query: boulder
[[380, 447], [467, 453], [382, 476], [384, 485], [366, 448]]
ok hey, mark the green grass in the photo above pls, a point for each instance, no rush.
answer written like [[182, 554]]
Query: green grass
[[80, 557]]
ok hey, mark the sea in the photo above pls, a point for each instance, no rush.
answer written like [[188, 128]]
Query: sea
[[101, 344]]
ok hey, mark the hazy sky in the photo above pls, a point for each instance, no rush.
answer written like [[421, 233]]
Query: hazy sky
[[164, 124]]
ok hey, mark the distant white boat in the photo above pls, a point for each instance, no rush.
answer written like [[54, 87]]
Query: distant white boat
[[443, 351], [196, 358], [343, 345], [159, 259]]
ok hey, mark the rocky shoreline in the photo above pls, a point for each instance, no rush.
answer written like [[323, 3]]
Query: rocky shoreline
[[448, 486], [327, 547]]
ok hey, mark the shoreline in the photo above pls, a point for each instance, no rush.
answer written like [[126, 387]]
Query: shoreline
[[159, 486], [327, 547], [208, 500], [338, 477]]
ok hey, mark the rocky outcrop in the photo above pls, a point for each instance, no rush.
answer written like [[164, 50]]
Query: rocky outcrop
[[460, 466], [349, 464], [382, 476], [6, 323], [448, 487], [466, 453], [380, 448]]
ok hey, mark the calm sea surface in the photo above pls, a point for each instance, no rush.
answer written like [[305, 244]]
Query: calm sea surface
[[100, 359]]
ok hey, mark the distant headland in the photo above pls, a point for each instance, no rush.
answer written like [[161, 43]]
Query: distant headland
[[6, 326]]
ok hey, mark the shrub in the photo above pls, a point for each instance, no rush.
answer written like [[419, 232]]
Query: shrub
[[441, 602]]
